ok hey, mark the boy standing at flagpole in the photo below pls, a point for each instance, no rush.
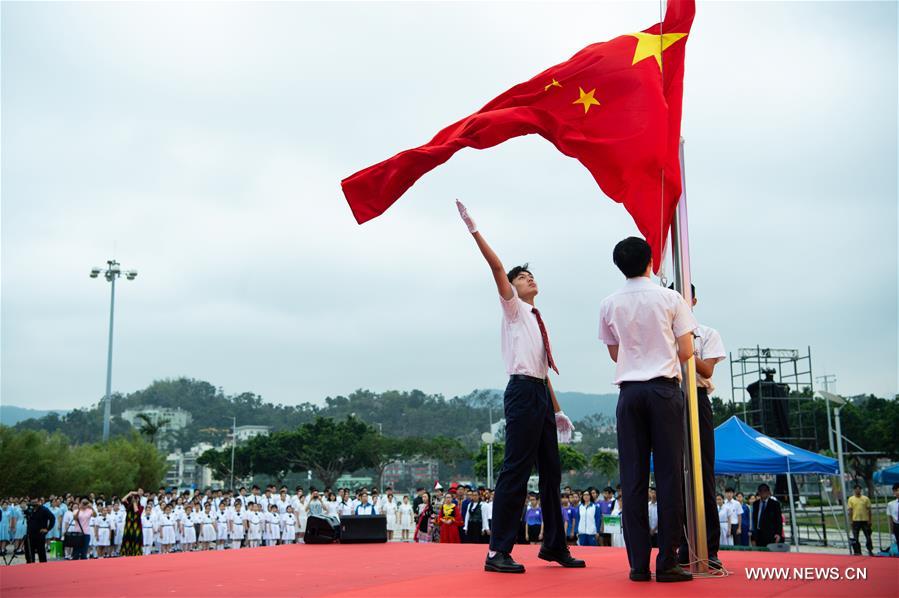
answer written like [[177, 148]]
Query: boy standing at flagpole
[[649, 332], [533, 418]]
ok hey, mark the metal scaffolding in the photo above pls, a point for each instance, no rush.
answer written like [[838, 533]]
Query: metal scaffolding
[[776, 388]]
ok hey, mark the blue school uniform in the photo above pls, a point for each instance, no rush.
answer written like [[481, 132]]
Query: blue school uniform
[[21, 524], [4, 525], [54, 533]]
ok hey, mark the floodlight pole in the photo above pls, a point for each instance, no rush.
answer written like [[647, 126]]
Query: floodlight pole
[[113, 271], [107, 407], [693, 491]]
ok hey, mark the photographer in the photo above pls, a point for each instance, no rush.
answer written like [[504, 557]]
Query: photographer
[[40, 520]]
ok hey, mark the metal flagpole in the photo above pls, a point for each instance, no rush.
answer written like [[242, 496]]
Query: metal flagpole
[[696, 524]]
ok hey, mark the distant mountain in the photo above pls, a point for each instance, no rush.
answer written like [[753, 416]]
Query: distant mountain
[[11, 415], [578, 405]]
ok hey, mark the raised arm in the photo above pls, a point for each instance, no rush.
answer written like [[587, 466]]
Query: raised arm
[[503, 286]]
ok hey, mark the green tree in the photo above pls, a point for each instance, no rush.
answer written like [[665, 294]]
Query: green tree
[[37, 464], [31, 462], [382, 450], [571, 459], [605, 463], [327, 447], [448, 450], [151, 428]]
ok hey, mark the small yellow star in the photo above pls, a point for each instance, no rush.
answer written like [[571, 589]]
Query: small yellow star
[[553, 84], [586, 99], [649, 44]]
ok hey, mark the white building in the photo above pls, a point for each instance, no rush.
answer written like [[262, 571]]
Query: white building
[[244, 433], [176, 419], [185, 472]]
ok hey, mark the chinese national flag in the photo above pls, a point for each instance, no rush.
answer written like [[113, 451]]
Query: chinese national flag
[[615, 106]]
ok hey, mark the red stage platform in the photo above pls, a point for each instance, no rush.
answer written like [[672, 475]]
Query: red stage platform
[[424, 570]]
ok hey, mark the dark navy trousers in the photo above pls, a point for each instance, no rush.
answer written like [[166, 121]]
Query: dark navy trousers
[[530, 440], [651, 421]]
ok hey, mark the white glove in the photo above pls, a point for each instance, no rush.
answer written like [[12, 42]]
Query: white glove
[[564, 427], [463, 212]]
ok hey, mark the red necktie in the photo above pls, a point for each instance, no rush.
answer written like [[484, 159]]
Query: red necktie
[[549, 353]]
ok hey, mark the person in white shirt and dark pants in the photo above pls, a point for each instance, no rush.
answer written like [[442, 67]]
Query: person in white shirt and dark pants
[[533, 419], [648, 330]]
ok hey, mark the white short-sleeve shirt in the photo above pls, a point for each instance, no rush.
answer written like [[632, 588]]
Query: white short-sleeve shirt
[[644, 319], [893, 511], [708, 345], [522, 343]]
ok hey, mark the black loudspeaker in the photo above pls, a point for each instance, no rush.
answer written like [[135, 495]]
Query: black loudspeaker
[[355, 529], [321, 529]]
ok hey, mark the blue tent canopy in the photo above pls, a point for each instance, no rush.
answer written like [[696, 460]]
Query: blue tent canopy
[[742, 449], [887, 475]]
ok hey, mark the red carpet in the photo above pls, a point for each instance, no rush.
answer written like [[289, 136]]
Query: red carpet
[[419, 570]]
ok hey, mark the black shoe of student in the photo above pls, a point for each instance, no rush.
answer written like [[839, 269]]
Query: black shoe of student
[[715, 563], [673, 574], [563, 557], [502, 562], [640, 575]]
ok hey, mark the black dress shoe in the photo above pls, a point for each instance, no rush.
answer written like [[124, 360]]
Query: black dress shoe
[[714, 563], [563, 557], [640, 575], [502, 562], [673, 574]]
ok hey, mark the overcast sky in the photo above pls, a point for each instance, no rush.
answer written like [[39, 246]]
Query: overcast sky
[[204, 144]]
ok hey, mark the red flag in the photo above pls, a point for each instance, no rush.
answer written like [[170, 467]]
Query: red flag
[[614, 106]]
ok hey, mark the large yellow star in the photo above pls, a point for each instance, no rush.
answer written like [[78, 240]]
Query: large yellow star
[[649, 44], [586, 99]]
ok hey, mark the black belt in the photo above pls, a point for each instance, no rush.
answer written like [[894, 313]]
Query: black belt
[[659, 380], [525, 378]]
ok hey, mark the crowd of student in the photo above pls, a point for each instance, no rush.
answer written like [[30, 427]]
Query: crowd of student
[[141, 523], [145, 523]]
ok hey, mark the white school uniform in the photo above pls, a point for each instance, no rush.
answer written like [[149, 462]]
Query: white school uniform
[[238, 526], [272, 527], [118, 518], [724, 520], [189, 535], [645, 320], [148, 525], [735, 510], [389, 510], [221, 525], [708, 345], [617, 537], [167, 525], [653, 516], [68, 522], [332, 508], [283, 503], [207, 527], [405, 511], [103, 525], [302, 515], [344, 508], [254, 526], [288, 527], [521, 339]]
